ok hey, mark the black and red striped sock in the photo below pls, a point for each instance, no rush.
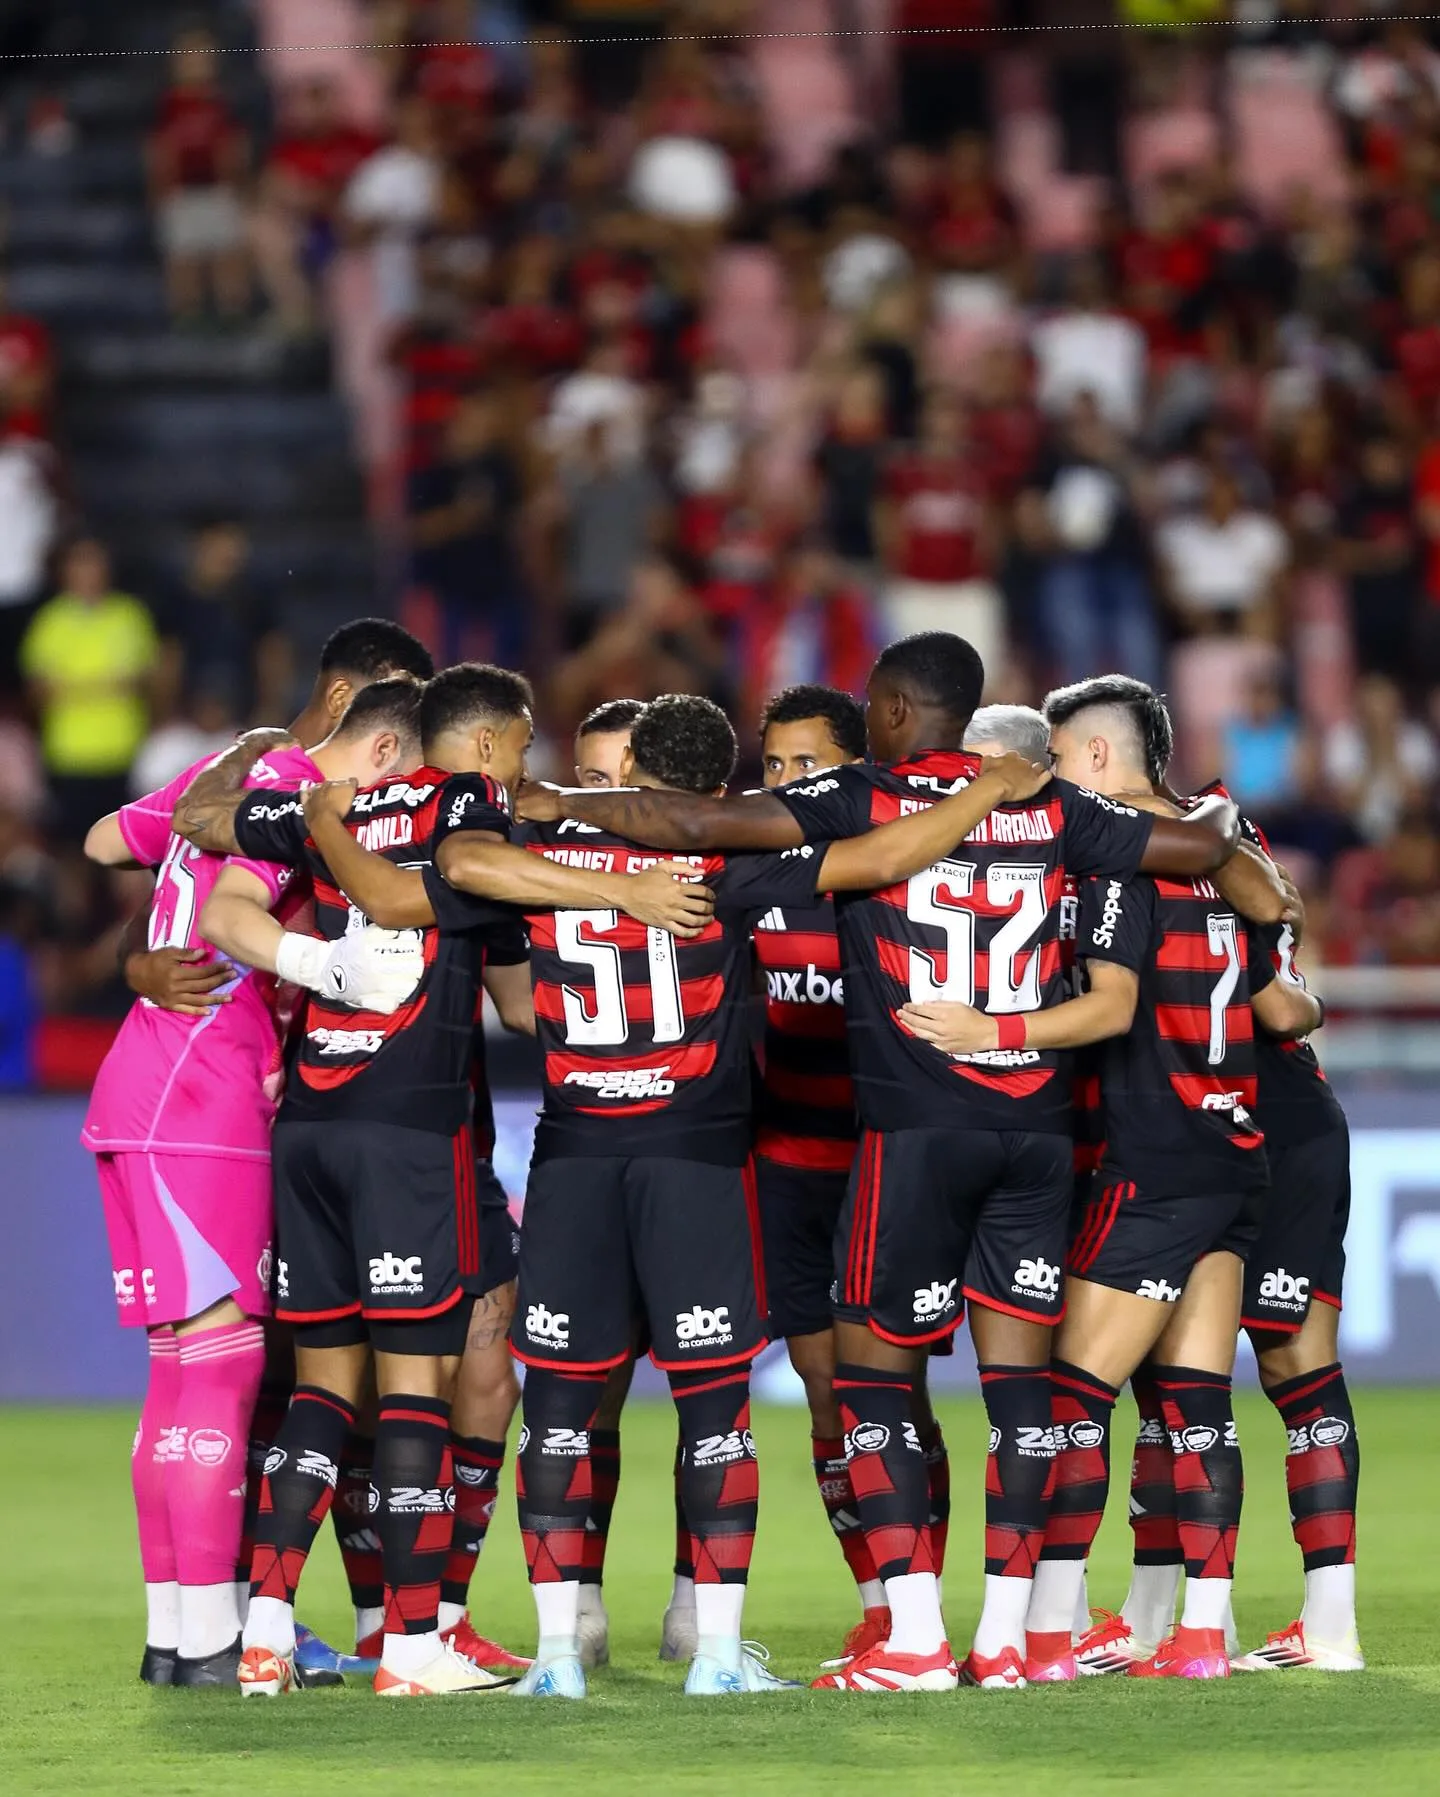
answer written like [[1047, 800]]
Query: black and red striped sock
[[1209, 1476], [353, 1517], [937, 1480], [684, 1545], [1019, 1468], [477, 1462], [1322, 1464], [837, 1494], [297, 1488], [1153, 1521], [887, 1468], [719, 1475], [1081, 1407], [415, 1483], [604, 1485], [552, 1471], [271, 1403]]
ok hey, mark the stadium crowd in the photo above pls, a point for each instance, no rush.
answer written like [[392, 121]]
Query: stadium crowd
[[725, 362]]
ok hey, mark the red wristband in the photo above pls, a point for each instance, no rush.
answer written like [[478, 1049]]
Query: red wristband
[[1010, 1032]]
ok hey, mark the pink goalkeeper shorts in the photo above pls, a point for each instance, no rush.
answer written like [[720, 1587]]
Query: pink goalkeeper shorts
[[186, 1230]]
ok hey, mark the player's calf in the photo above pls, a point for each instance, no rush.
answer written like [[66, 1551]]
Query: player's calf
[[1019, 1477]]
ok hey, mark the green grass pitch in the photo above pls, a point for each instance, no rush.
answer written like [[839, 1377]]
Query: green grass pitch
[[75, 1720]]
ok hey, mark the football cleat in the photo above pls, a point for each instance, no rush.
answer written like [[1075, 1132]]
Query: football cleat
[[1109, 1645], [366, 1657], [317, 1664], [265, 1673], [1291, 1648], [679, 1633], [595, 1628], [448, 1674], [1049, 1658], [881, 1669], [157, 1665], [561, 1677], [480, 1650], [213, 1669], [1004, 1671], [709, 1677], [872, 1630], [1186, 1653]]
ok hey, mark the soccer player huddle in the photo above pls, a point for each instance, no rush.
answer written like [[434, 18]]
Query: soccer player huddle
[[1033, 1060]]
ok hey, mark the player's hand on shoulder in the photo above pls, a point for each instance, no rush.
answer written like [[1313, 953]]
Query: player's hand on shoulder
[[538, 802], [266, 738], [1023, 779], [1294, 912], [186, 980], [374, 969], [329, 798], [953, 1028], [670, 896]]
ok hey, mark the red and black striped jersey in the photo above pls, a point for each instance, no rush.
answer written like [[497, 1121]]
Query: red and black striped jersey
[[807, 1102], [1178, 1089], [981, 927], [1087, 1118], [413, 1066], [645, 1037]]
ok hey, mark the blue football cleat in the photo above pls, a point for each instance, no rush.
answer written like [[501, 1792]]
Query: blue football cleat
[[318, 1665], [562, 1677], [710, 1677]]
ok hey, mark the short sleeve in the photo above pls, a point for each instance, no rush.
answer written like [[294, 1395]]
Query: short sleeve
[[753, 883], [506, 945], [145, 823], [1102, 837], [829, 806], [1264, 945], [471, 802], [270, 826], [1116, 922]]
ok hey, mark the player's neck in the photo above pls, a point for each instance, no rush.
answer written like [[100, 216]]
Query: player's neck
[[312, 726]]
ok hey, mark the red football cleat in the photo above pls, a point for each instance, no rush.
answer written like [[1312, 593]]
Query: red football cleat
[[872, 1630], [1049, 1658], [481, 1650], [881, 1670], [1004, 1671], [1186, 1653]]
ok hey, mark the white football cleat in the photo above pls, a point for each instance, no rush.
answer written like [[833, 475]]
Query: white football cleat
[[709, 1677], [594, 1628], [881, 1670], [1110, 1645], [679, 1633], [1291, 1649], [563, 1676], [447, 1674]]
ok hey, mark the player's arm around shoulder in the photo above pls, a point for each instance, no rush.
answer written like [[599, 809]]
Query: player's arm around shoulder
[[907, 845], [205, 812], [393, 897]]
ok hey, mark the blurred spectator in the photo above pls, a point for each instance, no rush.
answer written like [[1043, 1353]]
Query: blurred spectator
[[1391, 909], [1091, 348], [944, 77], [207, 726], [89, 658], [392, 198], [610, 508], [938, 535], [850, 462], [197, 164], [315, 153], [1080, 517], [1222, 566], [1263, 749], [813, 625], [27, 372], [27, 532], [220, 632], [658, 641], [1381, 764], [462, 520], [1378, 545]]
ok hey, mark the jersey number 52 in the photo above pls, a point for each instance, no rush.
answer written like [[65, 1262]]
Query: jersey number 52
[[940, 896]]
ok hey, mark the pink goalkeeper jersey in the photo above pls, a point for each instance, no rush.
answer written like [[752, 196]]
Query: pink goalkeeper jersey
[[193, 1085]]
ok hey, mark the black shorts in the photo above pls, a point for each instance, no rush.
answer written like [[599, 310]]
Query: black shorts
[[371, 1219], [1136, 1242], [496, 1232], [935, 1216], [1300, 1253], [608, 1240], [799, 1211]]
